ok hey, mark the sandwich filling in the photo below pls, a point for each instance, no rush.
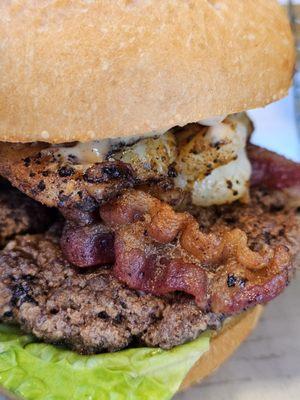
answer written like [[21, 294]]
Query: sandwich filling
[[207, 163], [157, 239]]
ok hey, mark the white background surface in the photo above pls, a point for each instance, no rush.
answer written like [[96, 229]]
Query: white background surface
[[276, 128], [267, 366]]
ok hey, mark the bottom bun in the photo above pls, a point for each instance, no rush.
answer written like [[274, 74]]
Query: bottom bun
[[223, 345]]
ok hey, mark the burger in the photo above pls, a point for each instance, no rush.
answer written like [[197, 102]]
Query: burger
[[141, 231]]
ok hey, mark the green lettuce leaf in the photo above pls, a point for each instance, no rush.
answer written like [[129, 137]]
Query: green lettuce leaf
[[37, 371]]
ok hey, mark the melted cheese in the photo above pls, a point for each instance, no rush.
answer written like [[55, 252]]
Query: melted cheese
[[90, 152], [84, 153]]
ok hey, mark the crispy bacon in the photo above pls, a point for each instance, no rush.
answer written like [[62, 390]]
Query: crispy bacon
[[272, 170], [164, 223], [235, 288], [160, 251], [86, 246], [149, 266]]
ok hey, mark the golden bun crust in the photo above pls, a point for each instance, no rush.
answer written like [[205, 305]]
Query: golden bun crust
[[223, 345], [84, 70]]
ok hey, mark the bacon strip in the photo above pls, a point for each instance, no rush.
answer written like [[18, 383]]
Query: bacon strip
[[272, 170], [146, 265], [87, 246], [160, 251], [235, 288], [134, 205]]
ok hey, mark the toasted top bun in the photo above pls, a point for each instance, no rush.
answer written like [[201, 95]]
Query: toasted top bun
[[84, 70], [223, 344]]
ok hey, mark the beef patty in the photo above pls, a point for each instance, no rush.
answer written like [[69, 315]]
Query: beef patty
[[19, 214], [91, 311]]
